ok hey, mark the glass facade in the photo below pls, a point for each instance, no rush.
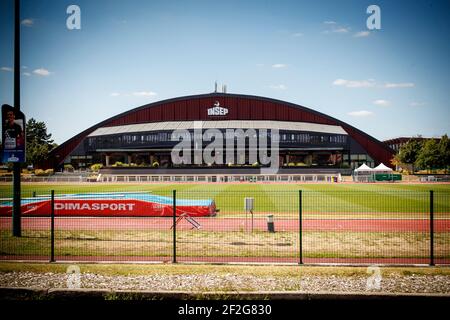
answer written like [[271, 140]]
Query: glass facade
[[296, 149], [165, 138]]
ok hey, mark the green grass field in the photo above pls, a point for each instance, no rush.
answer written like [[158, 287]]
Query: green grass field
[[344, 200], [27, 188]]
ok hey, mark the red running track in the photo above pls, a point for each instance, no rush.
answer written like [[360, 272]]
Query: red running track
[[229, 224]]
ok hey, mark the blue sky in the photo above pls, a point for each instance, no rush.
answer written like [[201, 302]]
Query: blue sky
[[320, 54]]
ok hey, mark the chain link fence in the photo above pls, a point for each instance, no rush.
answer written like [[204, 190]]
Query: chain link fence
[[222, 225]]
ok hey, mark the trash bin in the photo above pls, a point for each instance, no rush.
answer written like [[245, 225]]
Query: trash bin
[[270, 224]]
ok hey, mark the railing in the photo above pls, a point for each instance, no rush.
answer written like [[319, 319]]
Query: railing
[[54, 178], [296, 178], [338, 227]]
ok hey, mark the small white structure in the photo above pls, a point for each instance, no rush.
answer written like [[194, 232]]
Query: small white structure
[[363, 173], [364, 168], [381, 168]]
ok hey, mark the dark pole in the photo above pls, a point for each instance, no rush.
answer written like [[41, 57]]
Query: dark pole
[[300, 242], [431, 228], [174, 257], [52, 227], [16, 221]]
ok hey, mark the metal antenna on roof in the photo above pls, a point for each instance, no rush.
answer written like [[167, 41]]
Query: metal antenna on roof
[[215, 86]]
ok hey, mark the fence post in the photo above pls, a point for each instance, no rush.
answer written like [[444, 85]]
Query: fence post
[[431, 228], [300, 243], [52, 226], [174, 208]]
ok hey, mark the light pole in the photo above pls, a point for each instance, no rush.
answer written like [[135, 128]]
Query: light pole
[[16, 214]]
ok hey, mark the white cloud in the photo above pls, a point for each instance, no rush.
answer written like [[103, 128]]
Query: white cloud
[[279, 65], [144, 93], [340, 30], [27, 22], [362, 34], [369, 83], [361, 113], [26, 74], [399, 85], [8, 69], [278, 87], [417, 104], [297, 34], [334, 27], [115, 94], [42, 72], [381, 102], [354, 83]]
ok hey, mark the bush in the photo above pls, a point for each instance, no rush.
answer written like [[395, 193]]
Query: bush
[[291, 164], [256, 164], [39, 172], [92, 178], [301, 164], [96, 167], [120, 164], [42, 173], [68, 167]]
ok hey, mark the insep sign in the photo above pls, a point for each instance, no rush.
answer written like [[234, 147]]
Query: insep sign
[[217, 110], [95, 206]]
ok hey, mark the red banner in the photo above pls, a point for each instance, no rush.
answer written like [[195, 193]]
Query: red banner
[[108, 208]]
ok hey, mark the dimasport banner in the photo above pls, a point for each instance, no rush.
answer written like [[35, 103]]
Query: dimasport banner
[[109, 208]]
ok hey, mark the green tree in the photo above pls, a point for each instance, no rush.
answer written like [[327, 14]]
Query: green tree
[[429, 157], [444, 153], [409, 152], [39, 142]]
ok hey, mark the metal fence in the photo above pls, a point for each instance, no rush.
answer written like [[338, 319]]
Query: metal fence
[[338, 227]]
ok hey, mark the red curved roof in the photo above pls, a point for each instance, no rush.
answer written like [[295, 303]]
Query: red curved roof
[[240, 107]]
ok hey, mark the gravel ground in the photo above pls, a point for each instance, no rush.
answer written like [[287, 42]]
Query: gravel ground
[[229, 282]]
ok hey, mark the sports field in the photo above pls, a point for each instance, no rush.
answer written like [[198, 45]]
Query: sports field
[[341, 198], [386, 223]]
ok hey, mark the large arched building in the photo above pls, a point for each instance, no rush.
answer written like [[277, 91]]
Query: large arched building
[[142, 136]]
